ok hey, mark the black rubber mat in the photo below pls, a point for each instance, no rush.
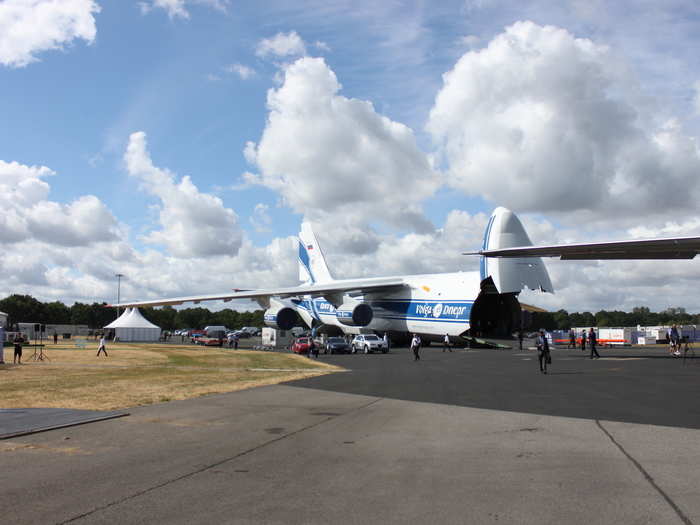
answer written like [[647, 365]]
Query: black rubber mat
[[21, 421]]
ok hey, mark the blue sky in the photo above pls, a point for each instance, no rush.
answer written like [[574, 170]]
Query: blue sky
[[580, 116]]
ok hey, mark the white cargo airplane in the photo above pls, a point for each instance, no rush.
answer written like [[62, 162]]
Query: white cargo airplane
[[458, 304]]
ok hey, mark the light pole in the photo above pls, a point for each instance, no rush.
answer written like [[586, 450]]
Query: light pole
[[119, 287]]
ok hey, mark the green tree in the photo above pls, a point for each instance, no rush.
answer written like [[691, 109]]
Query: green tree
[[165, 317], [23, 309], [195, 318], [561, 319], [56, 313]]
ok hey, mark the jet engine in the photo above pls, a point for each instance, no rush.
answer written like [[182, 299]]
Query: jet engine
[[354, 313], [281, 316]]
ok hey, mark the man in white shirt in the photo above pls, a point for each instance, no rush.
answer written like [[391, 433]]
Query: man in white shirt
[[415, 346], [101, 347], [446, 344]]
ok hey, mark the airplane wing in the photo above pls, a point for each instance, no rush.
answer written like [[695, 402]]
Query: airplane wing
[[344, 286], [670, 248]]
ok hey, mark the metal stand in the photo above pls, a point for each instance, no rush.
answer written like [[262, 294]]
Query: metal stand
[[41, 356], [688, 348]]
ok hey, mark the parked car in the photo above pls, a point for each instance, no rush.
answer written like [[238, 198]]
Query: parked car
[[209, 341], [195, 334], [368, 343], [337, 345], [301, 345]]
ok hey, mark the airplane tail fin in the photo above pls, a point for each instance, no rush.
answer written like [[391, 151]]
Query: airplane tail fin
[[312, 263], [504, 230]]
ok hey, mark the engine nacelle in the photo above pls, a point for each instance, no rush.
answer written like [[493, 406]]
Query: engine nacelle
[[354, 313], [281, 316]]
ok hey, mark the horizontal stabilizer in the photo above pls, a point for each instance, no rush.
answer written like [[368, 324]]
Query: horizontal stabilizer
[[669, 248]]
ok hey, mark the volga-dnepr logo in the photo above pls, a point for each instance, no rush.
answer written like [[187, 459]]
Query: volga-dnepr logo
[[440, 310]]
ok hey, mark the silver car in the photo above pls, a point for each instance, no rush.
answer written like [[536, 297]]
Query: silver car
[[368, 343]]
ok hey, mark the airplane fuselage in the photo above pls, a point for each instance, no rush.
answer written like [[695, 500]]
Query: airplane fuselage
[[432, 304]]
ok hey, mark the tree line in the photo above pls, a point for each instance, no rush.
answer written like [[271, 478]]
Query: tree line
[[27, 309], [640, 315]]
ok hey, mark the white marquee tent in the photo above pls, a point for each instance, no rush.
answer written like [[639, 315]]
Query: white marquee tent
[[132, 326]]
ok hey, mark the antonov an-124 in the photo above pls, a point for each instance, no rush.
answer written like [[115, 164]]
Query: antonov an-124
[[461, 304]]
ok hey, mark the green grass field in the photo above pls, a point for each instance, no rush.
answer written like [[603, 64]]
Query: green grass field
[[140, 373]]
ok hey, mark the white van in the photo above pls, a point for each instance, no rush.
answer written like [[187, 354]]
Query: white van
[[216, 331]]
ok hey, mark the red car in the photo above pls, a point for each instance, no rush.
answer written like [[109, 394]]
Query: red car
[[301, 345]]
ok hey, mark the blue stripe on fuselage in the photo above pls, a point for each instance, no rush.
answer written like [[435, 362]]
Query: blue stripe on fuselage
[[483, 263], [304, 259], [399, 309]]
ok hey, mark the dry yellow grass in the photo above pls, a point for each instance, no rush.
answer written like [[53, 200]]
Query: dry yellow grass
[[137, 374]]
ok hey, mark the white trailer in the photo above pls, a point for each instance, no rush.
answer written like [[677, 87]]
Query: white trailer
[[274, 339], [615, 336]]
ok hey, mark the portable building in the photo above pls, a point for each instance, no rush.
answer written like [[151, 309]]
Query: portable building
[[273, 338]]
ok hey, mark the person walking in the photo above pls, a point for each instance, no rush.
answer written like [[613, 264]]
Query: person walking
[[2, 345], [312, 346], [17, 359], [572, 339], [415, 346], [446, 343], [593, 341], [543, 355], [55, 338], [583, 340], [675, 341], [102, 347], [520, 338], [387, 343]]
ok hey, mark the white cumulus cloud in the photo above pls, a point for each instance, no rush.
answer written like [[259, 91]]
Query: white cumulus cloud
[[261, 219], [29, 27], [178, 8], [193, 223], [696, 97], [241, 70], [328, 154], [542, 121], [28, 215], [282, 45]]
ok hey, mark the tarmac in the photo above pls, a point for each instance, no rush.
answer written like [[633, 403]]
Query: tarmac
[[472, 436]]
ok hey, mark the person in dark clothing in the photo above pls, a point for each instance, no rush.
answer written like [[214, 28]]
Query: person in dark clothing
[[572, 339], [593, 341], [583, 340], [520, 338], [315, 348], [312, 346], [55, 338], [18, 349], [543, 355]]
